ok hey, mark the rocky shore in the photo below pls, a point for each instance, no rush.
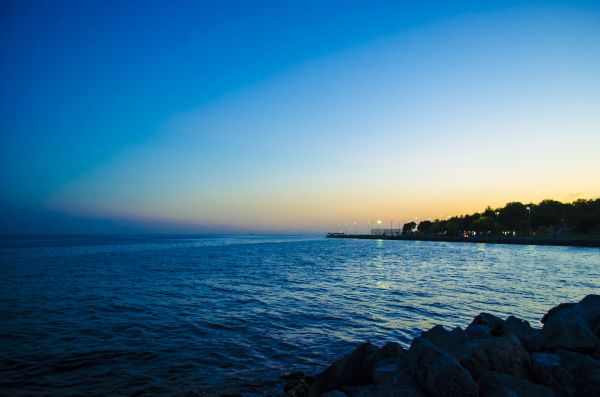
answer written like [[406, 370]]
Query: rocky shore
[[491, 357]]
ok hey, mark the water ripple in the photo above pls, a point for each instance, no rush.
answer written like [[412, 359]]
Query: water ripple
[[165, 315]]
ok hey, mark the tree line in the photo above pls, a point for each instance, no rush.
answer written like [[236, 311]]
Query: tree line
[[549, 217]]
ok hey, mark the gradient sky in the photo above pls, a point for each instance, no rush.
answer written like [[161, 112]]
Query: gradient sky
[[291, 116]]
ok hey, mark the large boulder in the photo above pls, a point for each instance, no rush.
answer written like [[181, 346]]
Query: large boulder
[[453, 341], [383, 370], [521, 329], [590, 310], [355, 369], [485, 325], [570, 326], [556, 310], [496, 384], [487, 319], [297, 384], [334, 393], [388, 352], [584, 370], [437, 372], [503, 354], [570, 332], [391, 375], [296, 389], [385, 361], [546, 370], [399, 384], [478, 331], [365, 365]]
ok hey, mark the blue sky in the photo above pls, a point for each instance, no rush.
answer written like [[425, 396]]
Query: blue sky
[[284, 116]]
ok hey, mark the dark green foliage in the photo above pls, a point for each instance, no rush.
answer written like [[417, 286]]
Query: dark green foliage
[[514, 216], [484, 224], [549, 217], [424, 226], [408, 227], [451, 228]]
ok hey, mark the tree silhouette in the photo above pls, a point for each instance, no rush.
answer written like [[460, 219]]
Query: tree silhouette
[[549, 217], [408, 227], [424, 226]]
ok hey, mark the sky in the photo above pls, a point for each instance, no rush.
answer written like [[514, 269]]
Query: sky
[[224, 116]]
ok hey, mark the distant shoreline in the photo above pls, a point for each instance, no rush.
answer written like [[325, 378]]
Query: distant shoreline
[[555, 241]]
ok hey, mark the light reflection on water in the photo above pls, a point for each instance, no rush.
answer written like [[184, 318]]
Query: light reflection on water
[[165, 315]]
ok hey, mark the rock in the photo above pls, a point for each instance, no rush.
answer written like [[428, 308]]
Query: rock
[[495, 384], [590, 309], [335, 393], [298, 389], [298, 375], [437, 372], [392, 377], [562, 307], [571, 334], [521, 329], [487, 319], [570, 326], [504, 354], [399, 385], [192, 393], [569, 331], [596, 353], [584, 370], [353, 370], [546, 370], [478, 331], [485, 325], [388, 352], [384, 360], [383, 370], [453, 341], [297, 384]]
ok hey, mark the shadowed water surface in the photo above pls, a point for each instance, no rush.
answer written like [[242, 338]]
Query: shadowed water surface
[[164, 315]]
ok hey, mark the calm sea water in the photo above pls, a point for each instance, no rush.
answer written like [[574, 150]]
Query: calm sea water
[[215, 314]]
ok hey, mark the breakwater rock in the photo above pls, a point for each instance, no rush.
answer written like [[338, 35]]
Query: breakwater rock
[[491, 357]]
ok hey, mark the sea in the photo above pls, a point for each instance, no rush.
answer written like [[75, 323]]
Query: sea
[[216, 314]]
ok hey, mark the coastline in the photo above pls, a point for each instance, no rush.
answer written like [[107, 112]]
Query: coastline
[[491, 357], [553, 241]]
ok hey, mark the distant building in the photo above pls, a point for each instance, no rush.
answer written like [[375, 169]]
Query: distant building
[[386, 232], [336, 234]]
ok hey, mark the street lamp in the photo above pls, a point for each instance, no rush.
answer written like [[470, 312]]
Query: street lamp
[[355, 228], [378, 227], [529, 212], [369, 227]]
